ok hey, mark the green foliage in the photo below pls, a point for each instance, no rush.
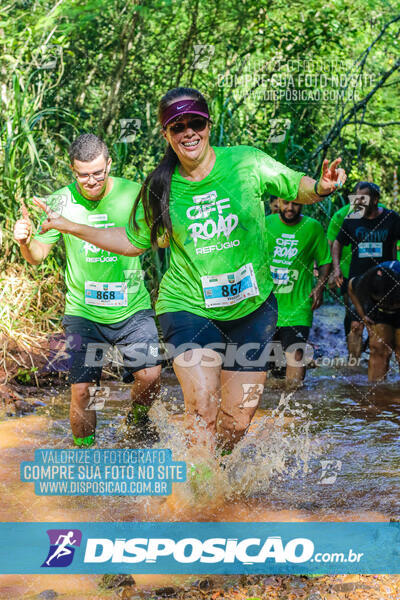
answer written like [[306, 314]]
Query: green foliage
[[82, 65], [26, 376]]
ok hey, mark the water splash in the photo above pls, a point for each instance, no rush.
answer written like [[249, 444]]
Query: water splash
[[276, 445]]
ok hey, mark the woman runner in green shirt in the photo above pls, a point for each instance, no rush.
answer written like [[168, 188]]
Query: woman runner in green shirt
[[215, 303]]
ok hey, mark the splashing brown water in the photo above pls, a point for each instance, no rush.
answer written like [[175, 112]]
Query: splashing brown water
[[274, 474]]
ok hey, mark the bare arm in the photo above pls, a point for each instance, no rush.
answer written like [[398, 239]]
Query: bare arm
[[332, 177], [357, 304], [324, 271], [113, 239], [306, 194], [34, 251], [331, 281], [317, 293], [336, 256]]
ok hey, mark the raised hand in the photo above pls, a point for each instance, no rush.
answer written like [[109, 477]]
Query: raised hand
[[332, 177], [54, 219], [317, 295], [338, 275]]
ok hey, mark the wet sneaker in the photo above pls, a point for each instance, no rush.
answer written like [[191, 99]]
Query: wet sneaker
[[225, 453], [222, 455], [138, 415], [85, 442], [140, 427]]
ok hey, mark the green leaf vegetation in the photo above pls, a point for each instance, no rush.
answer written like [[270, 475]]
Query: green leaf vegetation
[[302, 81]]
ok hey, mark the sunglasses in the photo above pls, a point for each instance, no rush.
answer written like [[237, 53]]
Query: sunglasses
[[197, 124]]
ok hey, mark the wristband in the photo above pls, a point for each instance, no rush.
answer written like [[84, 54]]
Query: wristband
[[320, 195]]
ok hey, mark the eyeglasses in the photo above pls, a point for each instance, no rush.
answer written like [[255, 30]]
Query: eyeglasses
[[98, 175], [197, 125]]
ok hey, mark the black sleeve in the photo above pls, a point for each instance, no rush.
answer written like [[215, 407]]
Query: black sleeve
[[343, 236]]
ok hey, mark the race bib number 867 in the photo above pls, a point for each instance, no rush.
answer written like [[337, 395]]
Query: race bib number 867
[[229, 288]]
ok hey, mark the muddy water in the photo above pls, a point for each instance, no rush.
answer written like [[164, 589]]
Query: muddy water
[[329, 451]]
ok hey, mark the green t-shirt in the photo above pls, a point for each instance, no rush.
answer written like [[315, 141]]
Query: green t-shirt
[[292, 250], [101, 286], [217, 267], [335, 225]]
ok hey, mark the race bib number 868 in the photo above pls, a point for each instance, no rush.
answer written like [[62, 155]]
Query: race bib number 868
[[106, 294]]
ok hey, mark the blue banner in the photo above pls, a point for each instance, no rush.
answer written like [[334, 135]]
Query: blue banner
[[200, 548], [103, 472]]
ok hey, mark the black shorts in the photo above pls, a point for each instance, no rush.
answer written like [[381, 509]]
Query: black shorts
[[240, 342], [378, 316], [292, 335], [392, 319], [136, 338]]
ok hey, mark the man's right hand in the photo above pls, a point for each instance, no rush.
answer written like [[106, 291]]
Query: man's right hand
[[23, 228], [338, 275], [331, 281]]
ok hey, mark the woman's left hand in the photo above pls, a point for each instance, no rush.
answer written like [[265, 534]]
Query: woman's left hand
[[332, 177]]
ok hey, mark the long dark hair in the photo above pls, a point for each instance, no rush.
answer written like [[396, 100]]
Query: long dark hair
[[155, 191]]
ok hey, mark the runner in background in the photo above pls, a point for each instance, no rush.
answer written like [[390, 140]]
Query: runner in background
[[273, 205], [294, 242], [372, 231], [376, 297], [106, 302], [215, 304], [334, 227]]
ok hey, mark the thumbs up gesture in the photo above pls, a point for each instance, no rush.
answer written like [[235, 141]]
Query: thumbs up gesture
[[23, 228]]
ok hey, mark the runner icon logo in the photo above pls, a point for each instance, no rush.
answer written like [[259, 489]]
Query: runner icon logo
[[98, 396], [133, 278], [251, 394], [202, 55], [62, 547], [128, 130], [60, 348], [330, 471], [279, 128]]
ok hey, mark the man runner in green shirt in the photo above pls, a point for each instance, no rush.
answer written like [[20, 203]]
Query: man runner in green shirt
[[294, 242], [106, 302]]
